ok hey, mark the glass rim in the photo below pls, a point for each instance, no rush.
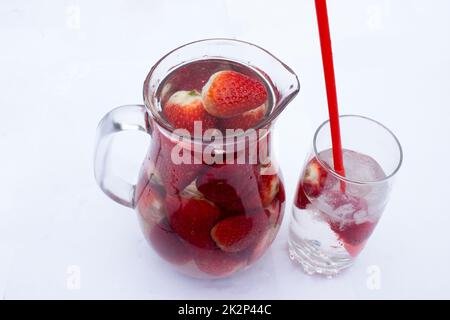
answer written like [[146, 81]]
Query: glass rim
[[353, 181]]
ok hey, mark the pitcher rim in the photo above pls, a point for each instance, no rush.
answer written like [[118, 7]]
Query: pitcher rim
[[265, 123]]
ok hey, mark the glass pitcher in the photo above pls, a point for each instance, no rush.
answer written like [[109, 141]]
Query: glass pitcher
[[212, 203]]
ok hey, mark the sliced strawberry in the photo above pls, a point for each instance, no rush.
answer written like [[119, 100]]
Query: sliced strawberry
[[301, 200], [184, 108], [167, 243], [229, 93], [314, 178], [269, 186], [148, 176], [218, 263], [150, 204], [218, 183], [192, 219], [275, 212], [143, 180], [222, 194], [237, 233], [244, 121], [231, 186], [352, 233], [174, 177]]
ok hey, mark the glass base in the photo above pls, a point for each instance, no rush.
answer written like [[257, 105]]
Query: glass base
[[314, 261]]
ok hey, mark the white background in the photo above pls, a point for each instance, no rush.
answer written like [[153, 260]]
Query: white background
[[64, 64]]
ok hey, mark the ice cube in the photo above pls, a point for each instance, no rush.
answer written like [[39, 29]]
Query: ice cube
[[345, 211], [362, 168], [341, 206], [359, 167], [361, 216]]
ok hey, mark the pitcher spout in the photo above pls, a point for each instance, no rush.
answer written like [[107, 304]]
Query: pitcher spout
[[284, 85]]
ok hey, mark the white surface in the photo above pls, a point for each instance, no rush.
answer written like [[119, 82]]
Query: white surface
[[66, 63]]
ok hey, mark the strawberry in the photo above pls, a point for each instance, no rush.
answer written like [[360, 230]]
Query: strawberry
[[148, 176], [218, 263], [302, 200], [174, 177], [237, 233], [269, 186], [184, 108], [244, 121], [314, 178], [275, 212], [150, 204], [221, 193], [231, 186], [229, 93], [192, 219], [167, 243], [353, 234]]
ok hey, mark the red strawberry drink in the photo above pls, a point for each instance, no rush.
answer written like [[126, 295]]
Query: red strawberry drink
[[209, 196], [333, 216], [335, 223], [211, 209]]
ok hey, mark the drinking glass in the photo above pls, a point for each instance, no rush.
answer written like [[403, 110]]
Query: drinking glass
[[334, 215]]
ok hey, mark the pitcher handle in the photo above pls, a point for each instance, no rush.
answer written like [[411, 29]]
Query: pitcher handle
[[123, 118]]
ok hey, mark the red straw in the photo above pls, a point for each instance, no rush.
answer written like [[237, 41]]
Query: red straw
[[330, 82]]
